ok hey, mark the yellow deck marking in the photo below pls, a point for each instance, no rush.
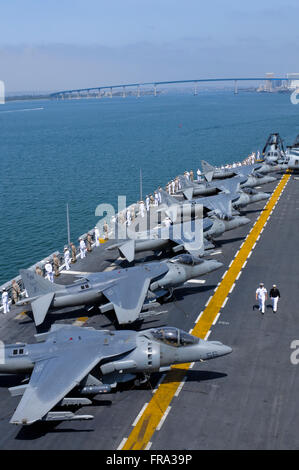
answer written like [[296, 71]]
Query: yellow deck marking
[[80, 321], [151, 417], [21, 316]]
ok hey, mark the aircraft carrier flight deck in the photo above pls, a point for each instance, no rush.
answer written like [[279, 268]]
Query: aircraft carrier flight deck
[[246, 400]]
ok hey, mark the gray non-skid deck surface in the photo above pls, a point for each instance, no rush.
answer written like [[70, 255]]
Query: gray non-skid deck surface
[[245, 400]]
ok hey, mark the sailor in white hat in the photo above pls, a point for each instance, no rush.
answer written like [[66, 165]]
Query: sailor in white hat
[[5, 300], [82, 248], [66, 255], [261, 295], [49, 271]]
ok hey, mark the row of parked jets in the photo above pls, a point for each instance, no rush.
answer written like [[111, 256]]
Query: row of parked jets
[[70, 365]]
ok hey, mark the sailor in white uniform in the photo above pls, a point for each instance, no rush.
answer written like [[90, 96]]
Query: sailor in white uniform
[[66, 255], [156, 198], [4, 298], [82, 248], [167, 222], [147, 203], [141, 208], [159, 195], [198, 174], [261, 295], [49, 271]]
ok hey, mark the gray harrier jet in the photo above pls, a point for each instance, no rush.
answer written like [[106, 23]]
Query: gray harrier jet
[[173, 238], [86, 362], [121, 290]]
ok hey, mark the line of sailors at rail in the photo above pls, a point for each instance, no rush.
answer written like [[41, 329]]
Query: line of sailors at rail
[[153, 200], [150, 201]]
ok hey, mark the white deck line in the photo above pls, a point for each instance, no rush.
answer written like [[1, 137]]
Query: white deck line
[[207, 335], [180, 387], [163, 419], [232, 288], [224, 303], [198, 317], [122, 443], [139, 415]]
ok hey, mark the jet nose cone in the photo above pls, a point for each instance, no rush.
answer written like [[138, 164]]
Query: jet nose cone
[[244, 220], [221, 349], [216, 264]]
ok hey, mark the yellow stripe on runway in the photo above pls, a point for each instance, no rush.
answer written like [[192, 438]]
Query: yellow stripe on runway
[[155, 410], [21, 316]]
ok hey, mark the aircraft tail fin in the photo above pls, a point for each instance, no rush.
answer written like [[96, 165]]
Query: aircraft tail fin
[[37, 285], [40, 307], [188, 193], [208, 170], [207, 166], [128, 250], [184, 182], [167, 199]]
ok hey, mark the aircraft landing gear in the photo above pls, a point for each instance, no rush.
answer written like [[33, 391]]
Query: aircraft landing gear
[[142, 379], [167, 297]]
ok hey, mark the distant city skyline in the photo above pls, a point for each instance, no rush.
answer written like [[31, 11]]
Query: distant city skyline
[[74, 44]]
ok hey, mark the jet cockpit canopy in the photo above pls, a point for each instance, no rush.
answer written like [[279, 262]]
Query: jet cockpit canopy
[[174, 337]]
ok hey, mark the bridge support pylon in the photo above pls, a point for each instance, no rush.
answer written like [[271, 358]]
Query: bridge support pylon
[[236, 88]]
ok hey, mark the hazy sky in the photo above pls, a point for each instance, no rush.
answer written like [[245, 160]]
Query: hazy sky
[[51, 45]]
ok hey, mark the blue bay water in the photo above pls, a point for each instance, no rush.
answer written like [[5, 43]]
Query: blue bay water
[[87, 152]]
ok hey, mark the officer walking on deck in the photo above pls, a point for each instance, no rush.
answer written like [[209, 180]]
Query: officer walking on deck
[[5, 299], [261, 295], [274, 296]]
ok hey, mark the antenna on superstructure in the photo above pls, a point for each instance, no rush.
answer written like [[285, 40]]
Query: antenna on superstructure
[[68, 224], [140, 183]]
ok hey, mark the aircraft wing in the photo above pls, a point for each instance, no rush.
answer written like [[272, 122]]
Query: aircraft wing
[[128, 292], [53, 377], [221, 203], [246, 170], [189, 235], [230, 185]]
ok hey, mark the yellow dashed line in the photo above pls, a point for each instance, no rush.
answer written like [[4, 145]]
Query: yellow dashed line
[[153, 413]]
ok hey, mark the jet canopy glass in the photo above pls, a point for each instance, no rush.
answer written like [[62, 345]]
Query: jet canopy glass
[[174, 336], [249, 191], [186, 259]]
